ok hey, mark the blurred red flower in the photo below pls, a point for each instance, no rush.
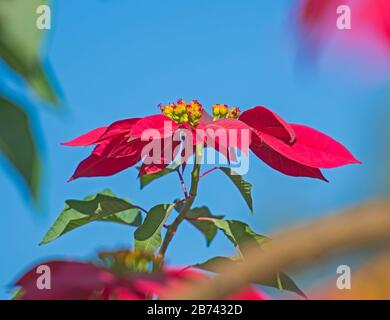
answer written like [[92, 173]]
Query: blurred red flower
[[370, 23], [72, 280]]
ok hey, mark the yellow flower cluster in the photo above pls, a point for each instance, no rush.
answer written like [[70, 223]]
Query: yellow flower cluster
[[182, 112], [127, 261], [221, 111]]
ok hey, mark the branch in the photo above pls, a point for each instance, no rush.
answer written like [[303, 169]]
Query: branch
[[208, 171], [183, 185], [355, 228], [187, 206]]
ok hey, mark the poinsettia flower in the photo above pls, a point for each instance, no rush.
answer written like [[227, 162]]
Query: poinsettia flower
[[156, 140], [370, 24], [74, 280]]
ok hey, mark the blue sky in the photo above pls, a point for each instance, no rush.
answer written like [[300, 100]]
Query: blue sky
[[118, 59]]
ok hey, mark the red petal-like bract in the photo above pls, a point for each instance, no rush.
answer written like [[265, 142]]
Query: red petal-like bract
[[98, 164], [153, 127], [119, 146], [266, 121], [72, 280], [225, 134], [205, 118], [86, 139], [119, 128], [249, 293], [292, 149], [278, 162], [166, 152], [311, 148]]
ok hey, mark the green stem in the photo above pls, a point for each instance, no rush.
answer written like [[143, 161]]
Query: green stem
[[187, 206]]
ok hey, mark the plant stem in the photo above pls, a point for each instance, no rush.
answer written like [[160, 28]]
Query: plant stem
[[142, 209], [183, 185], [187, 206], [208, 171]]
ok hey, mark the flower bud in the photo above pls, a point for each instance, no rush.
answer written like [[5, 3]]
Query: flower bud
[[223, 110], [167, 110], [181, 107], [234, 113], [183, 118], [195, 111], [215, 110], [181, 112]]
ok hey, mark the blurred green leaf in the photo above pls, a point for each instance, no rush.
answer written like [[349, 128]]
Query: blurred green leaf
[[17, 144], [20, 44], [149, 178], [100, 207], [207, 228], [148, 235], [239, 233], [280, 281], [213, 263], [16, 293], [243, 186]]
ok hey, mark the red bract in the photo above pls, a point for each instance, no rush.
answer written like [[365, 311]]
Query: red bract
[[294, 150], [72, 280], [119, 146]]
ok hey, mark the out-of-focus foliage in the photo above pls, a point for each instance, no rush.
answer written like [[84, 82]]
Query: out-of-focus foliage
[[280, 281], [17, 143], [20, 49], [20, 44]]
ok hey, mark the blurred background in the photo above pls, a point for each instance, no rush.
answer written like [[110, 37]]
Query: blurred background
[[109, 60]]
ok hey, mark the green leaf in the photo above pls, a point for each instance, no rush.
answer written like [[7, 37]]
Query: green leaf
[[213, 263], [284, 282], [149, 178], [100, 207], [280, 281], [20, 44], [243, 186], [239, 233], [16, 293], [148, 235], [208, 228], [18, 145]]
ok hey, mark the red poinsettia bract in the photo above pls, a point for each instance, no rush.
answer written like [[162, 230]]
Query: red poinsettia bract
[[73, 280], [293, 149]]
